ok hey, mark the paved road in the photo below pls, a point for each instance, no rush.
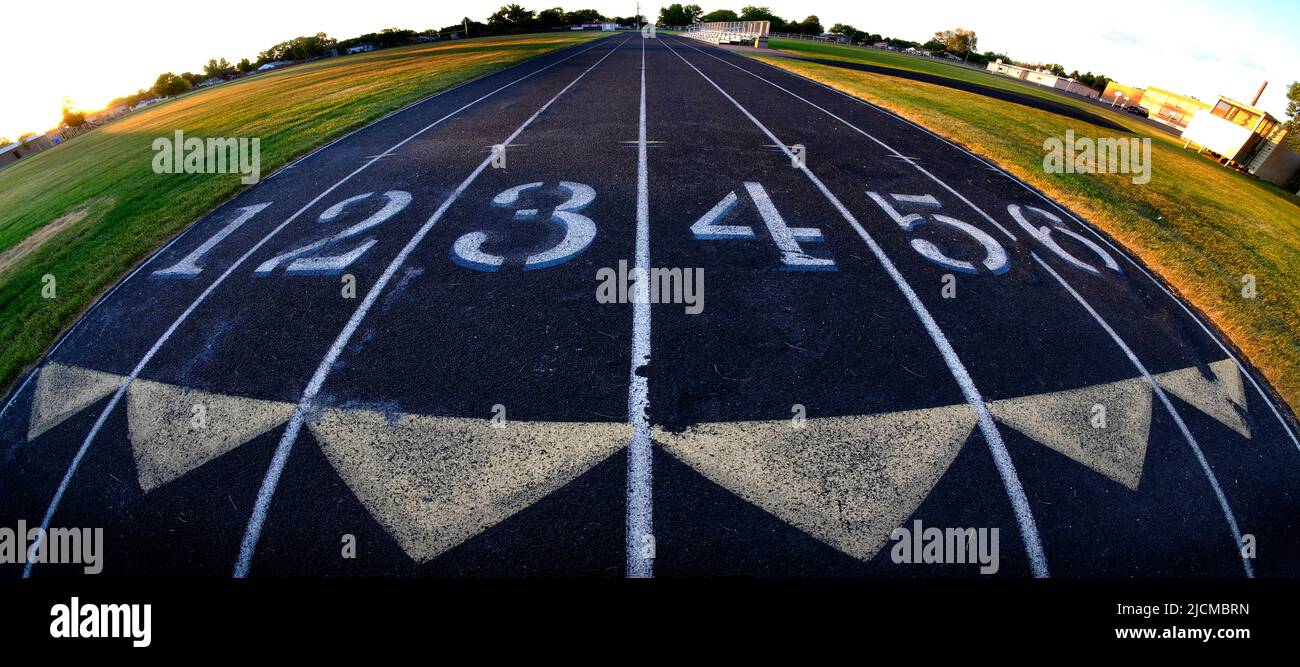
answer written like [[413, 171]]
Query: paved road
[[413, 353]]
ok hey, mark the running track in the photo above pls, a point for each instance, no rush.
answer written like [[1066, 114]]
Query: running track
[[397, 344]]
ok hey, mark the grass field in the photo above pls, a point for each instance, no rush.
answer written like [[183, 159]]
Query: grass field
[[88, 210], [1198, 225]]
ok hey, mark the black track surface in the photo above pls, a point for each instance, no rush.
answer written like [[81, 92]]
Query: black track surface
[[447, 340]]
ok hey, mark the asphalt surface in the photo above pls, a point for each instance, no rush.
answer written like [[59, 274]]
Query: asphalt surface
[[831, 386]]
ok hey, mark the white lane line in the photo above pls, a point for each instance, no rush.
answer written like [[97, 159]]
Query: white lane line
[[135, 372], [1160, 392], [253, 531], [1006, 468], [48, 355], [1248, 372], [1186, 433], [640, 506], [45, 357], [893, 153]]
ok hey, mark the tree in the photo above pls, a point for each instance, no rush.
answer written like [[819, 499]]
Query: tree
[[957, 42], [475, 29], [583, 16], [130, 100], [245, 66], [811, 26], [299, 48], [551, 18], [720, 15], [848, 31], [752, 13], [71, 116], [169, 84], [511, 19], [677, 14], [221, 69], [1293, 114]]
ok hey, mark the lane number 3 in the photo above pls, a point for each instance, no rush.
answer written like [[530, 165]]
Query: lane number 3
[[579, 230]]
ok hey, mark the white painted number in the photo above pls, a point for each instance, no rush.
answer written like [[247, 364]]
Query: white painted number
[[188, 267], [786, 238], [305, 261], [996, 260], [579, 230], [1044, 235]]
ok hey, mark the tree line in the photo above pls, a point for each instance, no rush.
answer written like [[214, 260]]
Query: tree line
[[509, 19], [959, 42], [515, 18]]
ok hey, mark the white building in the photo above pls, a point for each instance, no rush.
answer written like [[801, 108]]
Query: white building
[[1245, 137], [361, 48], [1043, 77]]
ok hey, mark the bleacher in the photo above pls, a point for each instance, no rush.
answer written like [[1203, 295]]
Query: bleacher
[[749, 33]]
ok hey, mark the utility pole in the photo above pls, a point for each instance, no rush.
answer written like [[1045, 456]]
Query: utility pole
[[466, 21], [638, 15]]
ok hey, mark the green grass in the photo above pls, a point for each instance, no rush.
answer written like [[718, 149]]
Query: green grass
[[910, 63], [131, 211], [1200, 226]]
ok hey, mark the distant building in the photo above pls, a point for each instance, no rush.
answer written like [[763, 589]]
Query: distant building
[[1171, 108], [1163, 106], [361, 48], [1043, 77], [1119, 94], [1244, 137], [21, 149], [273, 65]]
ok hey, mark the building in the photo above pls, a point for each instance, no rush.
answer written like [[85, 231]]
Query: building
[[1171, 108], [1118, 94], [1244, 137], [21, 149], [361, 48], [1043, 77], [1162, 106]]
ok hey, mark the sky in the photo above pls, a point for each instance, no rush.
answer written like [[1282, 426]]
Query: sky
[[94, 51]]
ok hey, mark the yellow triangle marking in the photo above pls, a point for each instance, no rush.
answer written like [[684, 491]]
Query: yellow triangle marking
[[434, 482], [62, 391], [1069, 422], [174, 430], [1218, 397], [848, 481]]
